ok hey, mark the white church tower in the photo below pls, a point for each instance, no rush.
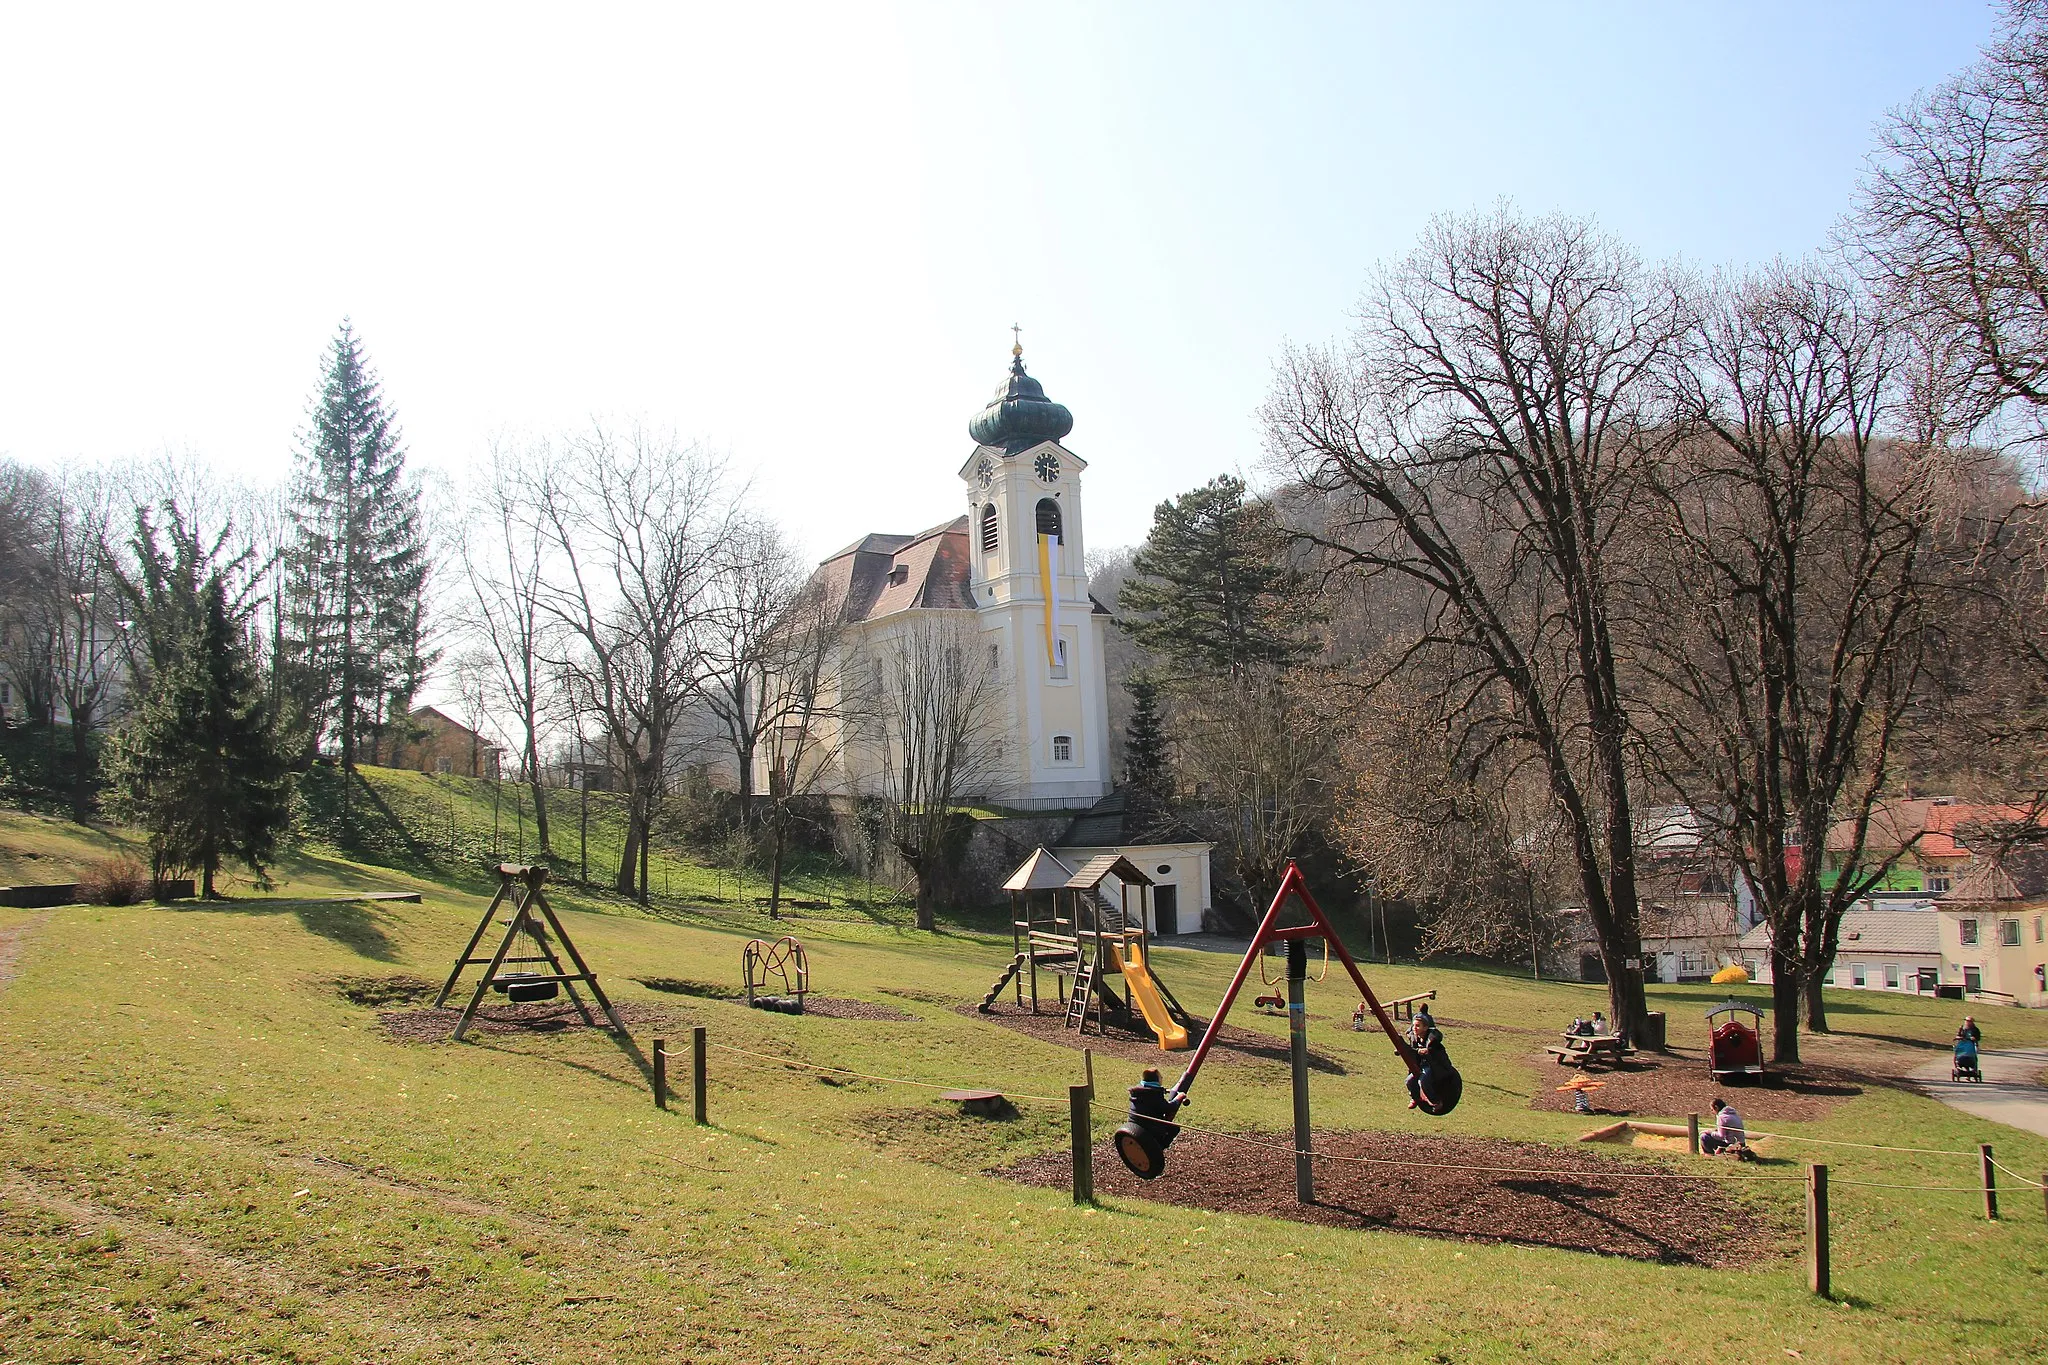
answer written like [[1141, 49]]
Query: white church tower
[[1028, 579]]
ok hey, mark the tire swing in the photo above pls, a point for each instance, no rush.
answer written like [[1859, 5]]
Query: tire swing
[[1433, 1082], [527, 987]]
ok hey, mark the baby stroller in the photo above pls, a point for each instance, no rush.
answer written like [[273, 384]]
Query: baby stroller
[[1965, 1065]]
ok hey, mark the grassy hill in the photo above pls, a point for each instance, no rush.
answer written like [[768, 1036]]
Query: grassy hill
[[213, 1153]]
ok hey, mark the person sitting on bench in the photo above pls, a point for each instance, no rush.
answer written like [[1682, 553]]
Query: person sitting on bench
[[1728, 1135]]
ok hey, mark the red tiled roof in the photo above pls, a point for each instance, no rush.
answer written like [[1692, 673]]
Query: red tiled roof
[[1943, 827], [932, 567]]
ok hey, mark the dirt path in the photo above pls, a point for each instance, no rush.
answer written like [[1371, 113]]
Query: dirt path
[[12, 941], [2008, 1093]]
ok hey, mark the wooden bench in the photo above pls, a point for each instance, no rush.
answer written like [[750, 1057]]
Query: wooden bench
[[1404, 1008], [794, 904], [1581, 1049]]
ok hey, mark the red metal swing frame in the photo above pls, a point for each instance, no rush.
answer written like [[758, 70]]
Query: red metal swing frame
[[1292, 883]]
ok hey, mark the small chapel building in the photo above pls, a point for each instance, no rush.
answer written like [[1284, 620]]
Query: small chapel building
[[1011, 575]]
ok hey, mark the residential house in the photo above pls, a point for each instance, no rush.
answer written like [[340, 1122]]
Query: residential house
[[442, 744]]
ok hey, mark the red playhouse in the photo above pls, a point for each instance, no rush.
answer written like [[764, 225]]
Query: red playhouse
[[1735, 1049], [1433, 1083]]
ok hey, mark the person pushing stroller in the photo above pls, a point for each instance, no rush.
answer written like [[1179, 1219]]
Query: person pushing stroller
[[1964, 1067]]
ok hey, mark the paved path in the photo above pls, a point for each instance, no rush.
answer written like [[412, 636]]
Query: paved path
[[2007, 1094]]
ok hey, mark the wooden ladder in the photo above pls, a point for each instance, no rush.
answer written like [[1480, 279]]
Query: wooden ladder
[[1084, 993]]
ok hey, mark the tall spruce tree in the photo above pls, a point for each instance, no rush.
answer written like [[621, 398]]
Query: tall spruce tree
[[199, 765], [1145, 741], [358, 566], [1212, 589]]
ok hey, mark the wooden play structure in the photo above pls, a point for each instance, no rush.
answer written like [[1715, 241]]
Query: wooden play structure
[[1063, 923], [786, 962], [532, 922]]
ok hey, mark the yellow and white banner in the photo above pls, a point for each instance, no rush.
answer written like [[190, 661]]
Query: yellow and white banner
[[1049, 583]]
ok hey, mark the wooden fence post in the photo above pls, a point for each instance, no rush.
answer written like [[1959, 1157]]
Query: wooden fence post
[[1692, 1133], [660, 1073], [697, 1110], [1990, 1180], [1817, 1229], [1084, 1144], [1088, 1069]]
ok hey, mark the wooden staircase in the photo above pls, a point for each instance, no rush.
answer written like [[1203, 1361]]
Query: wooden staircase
[[987, 1005]]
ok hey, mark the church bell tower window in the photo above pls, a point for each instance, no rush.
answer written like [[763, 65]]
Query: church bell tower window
[[1049, 518], [989, 538]]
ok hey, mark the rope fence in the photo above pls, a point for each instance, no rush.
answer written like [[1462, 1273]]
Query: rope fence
[[1086, 1100]]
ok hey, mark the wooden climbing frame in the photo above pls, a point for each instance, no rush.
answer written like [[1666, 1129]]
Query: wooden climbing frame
[[519, 886]]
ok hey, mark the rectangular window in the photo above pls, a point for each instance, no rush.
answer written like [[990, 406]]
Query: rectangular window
[[444, 766], [995, 656], [1063, 748], [1937, 883], [2009, 933], [1891, 976], [1856, 975], [1969, 930], [1059, 658], [6, 694], [1973, 981], [2037, 928]]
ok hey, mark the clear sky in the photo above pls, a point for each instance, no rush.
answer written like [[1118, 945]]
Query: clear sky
[[800, 233]]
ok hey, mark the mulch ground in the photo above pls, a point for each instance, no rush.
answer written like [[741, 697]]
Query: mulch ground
[[833, 1007], [1677, 1084], [559, 1016], [1135, 1045], [1589, 1207], [538, 1017]]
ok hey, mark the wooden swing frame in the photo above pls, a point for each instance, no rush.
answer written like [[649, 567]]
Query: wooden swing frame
[[520, 885]]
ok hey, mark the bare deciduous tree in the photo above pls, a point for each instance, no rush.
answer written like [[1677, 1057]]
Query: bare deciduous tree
[[505, 560], [1952, 212], [636, 519], [926, 704], [756, 580], [1484, 436], [1782, 626]]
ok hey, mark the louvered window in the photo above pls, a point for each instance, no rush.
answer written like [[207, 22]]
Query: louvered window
[[989, 538]]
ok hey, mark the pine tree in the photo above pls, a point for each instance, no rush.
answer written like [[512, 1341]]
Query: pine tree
[[1145, 741], [357, 574], [199, 765], [1212, 589]]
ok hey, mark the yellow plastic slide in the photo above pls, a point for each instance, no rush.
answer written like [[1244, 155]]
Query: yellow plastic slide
[[1172, 1037]]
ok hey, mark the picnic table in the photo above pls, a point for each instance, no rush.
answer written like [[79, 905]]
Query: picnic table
[[1589, 1049]]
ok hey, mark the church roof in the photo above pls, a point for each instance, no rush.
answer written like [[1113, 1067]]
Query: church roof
[[1020, 415], [882, 574]]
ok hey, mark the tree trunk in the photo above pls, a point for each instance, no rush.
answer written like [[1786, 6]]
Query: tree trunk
[[775, 873], [927, 918], [540, 799], [1785, 1002], [206, 879], [1816, 1007], [629, 855], [81, 770]]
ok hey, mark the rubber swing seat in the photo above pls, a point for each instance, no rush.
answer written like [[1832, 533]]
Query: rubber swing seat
[[526, 992], [1437, 1090]]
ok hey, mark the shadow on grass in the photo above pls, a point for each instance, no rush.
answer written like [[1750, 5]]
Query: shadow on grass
[[353, 924]]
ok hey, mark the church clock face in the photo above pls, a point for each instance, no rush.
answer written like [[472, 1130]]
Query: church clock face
[[1048, 467], [985, 471]]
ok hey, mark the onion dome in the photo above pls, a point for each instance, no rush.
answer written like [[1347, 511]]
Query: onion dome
[[1020, 414]]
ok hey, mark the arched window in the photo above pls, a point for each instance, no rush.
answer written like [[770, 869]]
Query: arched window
[[988, 529], [1049, 519], [1063, 748]]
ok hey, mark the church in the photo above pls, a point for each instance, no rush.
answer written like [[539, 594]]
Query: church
[[1011, 574]]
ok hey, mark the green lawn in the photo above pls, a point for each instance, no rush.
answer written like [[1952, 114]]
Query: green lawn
[[207, 1154]]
